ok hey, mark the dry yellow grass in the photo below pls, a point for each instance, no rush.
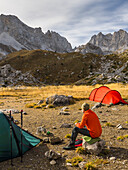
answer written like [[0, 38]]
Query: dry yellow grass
[[45, 91]]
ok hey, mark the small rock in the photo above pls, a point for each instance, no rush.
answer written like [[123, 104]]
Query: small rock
[[46, 140], [103, 121], [96, 105], [40, 129], [52, 155], [64, 108], [24, 113], [114, 108], [16, 121], [64, 113], [53, 162], [40, 102], [82, 164], [68, 164], [119, 126], [112, 158], [65, 125], [55, 140], [53, 127]]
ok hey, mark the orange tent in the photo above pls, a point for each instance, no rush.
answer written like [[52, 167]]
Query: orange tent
[[105, 95]]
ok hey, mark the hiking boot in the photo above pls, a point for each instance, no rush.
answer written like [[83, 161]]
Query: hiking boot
[[70, 146]]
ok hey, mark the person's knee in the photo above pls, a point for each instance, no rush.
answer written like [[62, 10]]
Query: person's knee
[[76, 129]]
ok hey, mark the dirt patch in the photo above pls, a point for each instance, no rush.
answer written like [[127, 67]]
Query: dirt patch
[[35, 159]]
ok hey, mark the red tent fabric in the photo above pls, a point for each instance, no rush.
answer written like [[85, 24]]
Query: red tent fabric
[[105, 95]]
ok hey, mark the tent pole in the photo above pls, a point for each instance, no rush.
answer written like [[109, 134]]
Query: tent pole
[[11, 135], [21, 133]]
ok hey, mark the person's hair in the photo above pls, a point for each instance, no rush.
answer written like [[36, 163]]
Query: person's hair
[[85, 106]]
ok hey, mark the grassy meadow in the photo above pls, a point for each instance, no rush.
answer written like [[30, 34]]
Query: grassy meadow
[[79, 92]]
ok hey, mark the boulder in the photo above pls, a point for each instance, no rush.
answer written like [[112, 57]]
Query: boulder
[[55, 140], [95, 148], [52, 155], [60, 100]]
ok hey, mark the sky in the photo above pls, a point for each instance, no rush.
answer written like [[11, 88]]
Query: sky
[[76, 20]]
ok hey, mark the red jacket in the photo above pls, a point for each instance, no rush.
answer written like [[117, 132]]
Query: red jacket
[[91, 121]]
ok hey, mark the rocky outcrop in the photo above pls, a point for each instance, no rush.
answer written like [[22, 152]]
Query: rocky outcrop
[[16, 35], [109, 43], [10, 76], [89, 48]]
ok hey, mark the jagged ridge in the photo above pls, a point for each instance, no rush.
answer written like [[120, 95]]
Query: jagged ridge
[[24, 37]]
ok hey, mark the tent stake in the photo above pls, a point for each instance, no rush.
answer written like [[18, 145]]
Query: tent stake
[[11, 135], [21, 133]]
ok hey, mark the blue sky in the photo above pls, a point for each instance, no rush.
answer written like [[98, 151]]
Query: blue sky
[[76, 20]]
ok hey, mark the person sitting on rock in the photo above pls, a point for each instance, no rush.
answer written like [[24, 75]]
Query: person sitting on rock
[[89, 126]]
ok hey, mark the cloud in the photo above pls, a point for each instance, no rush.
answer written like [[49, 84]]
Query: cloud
[[75, 20]]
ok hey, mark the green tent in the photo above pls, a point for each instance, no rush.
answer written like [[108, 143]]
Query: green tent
[[10, 145]]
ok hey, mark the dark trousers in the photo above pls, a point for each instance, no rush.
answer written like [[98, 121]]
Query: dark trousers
[[77, 130]]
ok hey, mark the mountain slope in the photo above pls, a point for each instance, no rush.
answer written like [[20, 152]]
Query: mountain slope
[[69, 68]]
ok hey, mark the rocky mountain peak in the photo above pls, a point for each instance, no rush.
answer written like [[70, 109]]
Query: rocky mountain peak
[[89, 48], [31, 38], [109, 43]]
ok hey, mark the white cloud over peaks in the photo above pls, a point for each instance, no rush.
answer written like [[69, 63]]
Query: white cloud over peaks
[[76, 20]]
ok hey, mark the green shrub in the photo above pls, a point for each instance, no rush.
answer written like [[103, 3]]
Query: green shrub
[[120, 138], [80, 150], [75, 161], [30, 105], [68, 136], [125, 136], [108, 124], [90, 166]]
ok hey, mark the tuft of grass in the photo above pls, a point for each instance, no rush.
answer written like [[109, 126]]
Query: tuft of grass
[[43, 105], [76, 121], [1, 103], [75, 161], [30, 105], [68, 136], [50, 106], [90, 166], [120, 138], [95, 163], [101, 161], [80, 150], [108, 124], [125, 136], [37, 107]]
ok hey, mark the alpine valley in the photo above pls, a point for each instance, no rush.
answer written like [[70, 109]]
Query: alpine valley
[[30, 57]]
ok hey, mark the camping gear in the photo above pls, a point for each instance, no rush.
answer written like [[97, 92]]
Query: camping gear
[[91, 140], [10, 119], [78, 143], [105, 95], [21, 134], [8, 149]]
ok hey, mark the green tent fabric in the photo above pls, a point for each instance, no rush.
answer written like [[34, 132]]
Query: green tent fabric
[[91, 140], [28, 140]]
